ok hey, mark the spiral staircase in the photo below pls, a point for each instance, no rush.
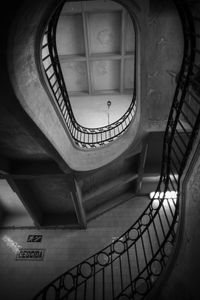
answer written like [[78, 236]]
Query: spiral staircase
[[136, 264], [133, 265]]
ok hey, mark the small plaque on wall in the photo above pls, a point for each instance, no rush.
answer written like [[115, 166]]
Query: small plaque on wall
[[30, 254], [34, 238]]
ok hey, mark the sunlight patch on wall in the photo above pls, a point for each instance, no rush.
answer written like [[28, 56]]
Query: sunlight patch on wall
[[14, 246], [161, 195]]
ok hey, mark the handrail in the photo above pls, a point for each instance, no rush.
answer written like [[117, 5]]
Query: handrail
[[83, 137], [129, 267]]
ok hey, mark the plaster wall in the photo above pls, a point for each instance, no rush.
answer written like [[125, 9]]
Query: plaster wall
[[63, 249], [182, 279], [13, 212], [164, 54]]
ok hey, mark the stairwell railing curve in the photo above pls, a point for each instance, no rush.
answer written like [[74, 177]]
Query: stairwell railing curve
[[129, 267], [83, 137]]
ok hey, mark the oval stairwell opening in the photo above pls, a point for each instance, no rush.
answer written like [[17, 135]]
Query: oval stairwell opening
[[37, 99], [89, 58], [134, 264]]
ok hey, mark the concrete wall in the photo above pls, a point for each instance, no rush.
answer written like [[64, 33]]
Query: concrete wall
[[13, 211], [21, 280], [164, 56], [182, 278]]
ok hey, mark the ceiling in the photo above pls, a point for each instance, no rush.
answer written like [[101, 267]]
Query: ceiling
[[30, 173], [96, 47]]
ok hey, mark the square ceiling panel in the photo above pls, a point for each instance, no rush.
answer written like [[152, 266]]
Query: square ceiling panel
[[75, 76], [105, 75], [128, 73], [69, 37], [95, 48], [104, 32]]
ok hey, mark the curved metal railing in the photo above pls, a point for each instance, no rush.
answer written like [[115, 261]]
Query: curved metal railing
[[82, 136], [129, 267]]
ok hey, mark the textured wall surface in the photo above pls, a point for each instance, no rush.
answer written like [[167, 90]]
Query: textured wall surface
[[164, 56], [63, 249], [183, 282]]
